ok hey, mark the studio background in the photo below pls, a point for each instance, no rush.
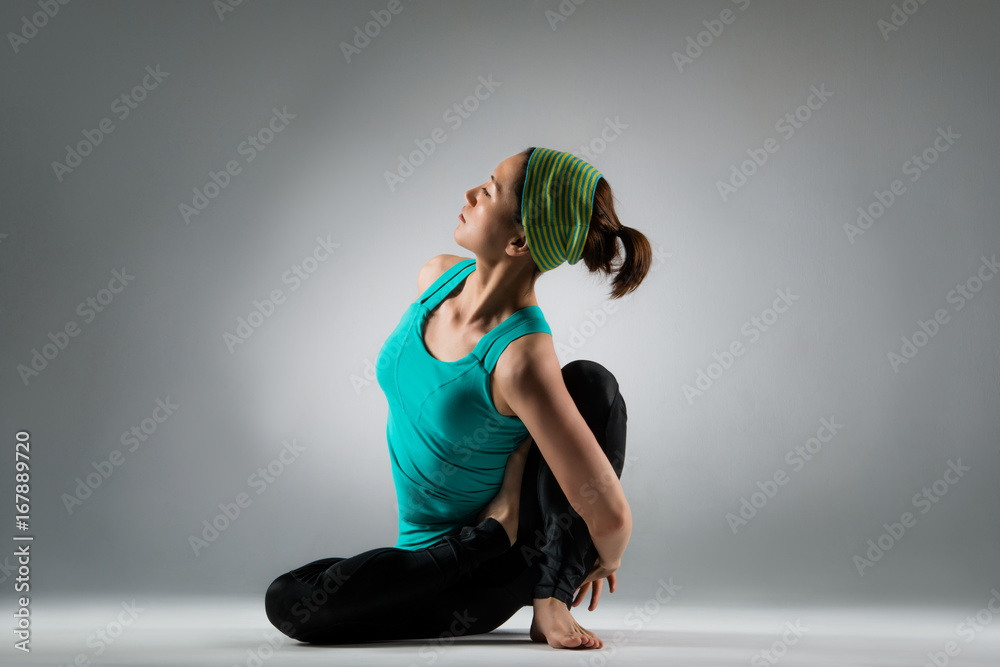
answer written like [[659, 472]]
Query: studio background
[[666, 119]]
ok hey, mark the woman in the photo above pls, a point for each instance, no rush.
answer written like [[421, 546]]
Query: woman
[[506, 466]]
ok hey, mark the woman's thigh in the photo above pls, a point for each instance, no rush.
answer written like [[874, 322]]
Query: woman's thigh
[[304, 604]]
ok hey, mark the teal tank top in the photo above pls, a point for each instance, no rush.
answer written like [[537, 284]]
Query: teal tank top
[[448, 445]]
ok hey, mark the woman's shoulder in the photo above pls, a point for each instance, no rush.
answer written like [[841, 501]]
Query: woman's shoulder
[[527, 365], [526, 353], [435, 268]]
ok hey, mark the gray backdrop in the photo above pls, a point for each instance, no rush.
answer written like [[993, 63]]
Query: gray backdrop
[[811, 369]]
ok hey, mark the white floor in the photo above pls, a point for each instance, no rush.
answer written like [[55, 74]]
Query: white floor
[[234, 632]]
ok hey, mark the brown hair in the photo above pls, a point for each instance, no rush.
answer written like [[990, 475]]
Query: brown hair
[[601, 251]]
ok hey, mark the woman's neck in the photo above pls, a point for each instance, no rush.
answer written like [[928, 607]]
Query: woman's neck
[[493, 292]]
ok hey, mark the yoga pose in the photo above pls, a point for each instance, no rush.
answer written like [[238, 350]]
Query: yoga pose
[[506, 467]]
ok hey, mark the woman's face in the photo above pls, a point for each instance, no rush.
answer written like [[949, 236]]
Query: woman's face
[[485, 224]]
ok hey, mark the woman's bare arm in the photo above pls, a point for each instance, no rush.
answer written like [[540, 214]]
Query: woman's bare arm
[[529, 378]]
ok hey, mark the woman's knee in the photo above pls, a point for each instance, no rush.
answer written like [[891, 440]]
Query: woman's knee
[[278, 603], [591, 381], [293, 607], [596, 393]]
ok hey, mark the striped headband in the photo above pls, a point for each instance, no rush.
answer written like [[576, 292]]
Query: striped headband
[[556, 205]]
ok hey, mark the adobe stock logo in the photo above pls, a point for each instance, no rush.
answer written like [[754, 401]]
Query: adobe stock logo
[[924, 501], [264, 309], [372, 29], [38, 20], [454, 115], [86, 309], [595, 319], [898, 17], [713, 30], [122, 106], [260, 480], [566, 9], [752, 329], [797, 457], [635, 620], [779, 648], [223, 6], [251, 147], [914, 167], [131, 439], [786, 126], [927, 329]]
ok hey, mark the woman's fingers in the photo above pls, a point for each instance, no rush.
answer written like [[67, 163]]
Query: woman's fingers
[[596, 596], [612, 582], [580, 594]]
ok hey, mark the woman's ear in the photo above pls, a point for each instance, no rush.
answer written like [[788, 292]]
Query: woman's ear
[[518, 246]]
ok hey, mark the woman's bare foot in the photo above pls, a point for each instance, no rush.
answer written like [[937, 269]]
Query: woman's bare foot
[[506, 505], [553, 623]]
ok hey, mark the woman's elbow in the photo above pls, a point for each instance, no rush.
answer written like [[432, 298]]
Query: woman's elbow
[[618, 520]]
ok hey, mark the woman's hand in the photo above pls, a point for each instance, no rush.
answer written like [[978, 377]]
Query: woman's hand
[[594, 579]]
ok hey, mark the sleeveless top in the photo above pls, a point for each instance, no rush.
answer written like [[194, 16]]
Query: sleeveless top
[[448, 445]]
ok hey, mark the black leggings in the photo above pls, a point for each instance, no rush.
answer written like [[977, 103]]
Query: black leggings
[[470, 581]]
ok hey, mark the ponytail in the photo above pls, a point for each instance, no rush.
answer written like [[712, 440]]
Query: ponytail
[[628, 263]]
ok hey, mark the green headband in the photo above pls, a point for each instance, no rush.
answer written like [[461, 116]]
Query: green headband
[[556, 205]]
